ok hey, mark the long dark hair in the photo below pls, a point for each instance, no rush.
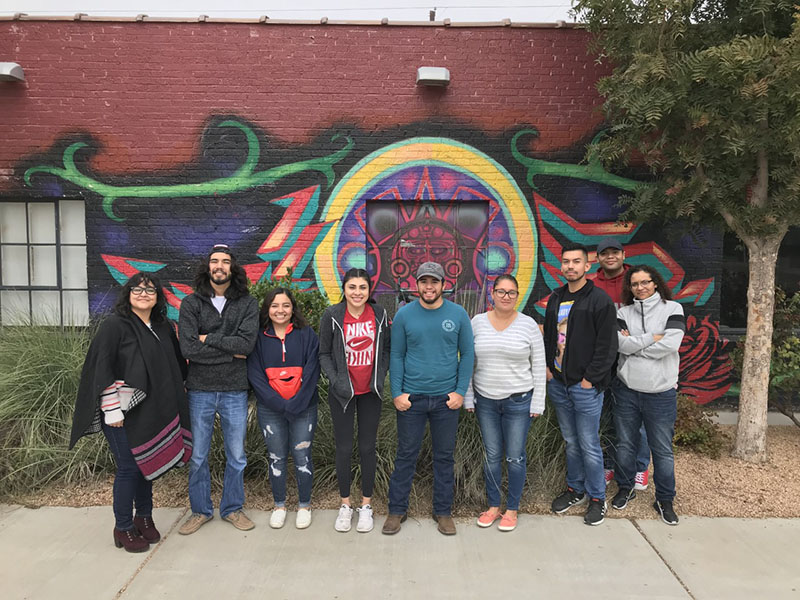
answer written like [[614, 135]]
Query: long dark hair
[[123, 305], [298, 320], [661, 286], [238, 287], [357, 274]]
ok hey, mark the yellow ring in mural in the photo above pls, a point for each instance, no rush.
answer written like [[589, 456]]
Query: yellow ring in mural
[[436, 151]]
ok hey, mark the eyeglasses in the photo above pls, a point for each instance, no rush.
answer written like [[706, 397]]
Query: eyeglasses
[[138, 291], [639, 284], [510, 293]]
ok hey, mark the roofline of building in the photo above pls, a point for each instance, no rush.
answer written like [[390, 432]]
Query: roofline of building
[[265, 20]]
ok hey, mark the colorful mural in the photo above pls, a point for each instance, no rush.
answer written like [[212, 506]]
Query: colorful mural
[[386, 209]]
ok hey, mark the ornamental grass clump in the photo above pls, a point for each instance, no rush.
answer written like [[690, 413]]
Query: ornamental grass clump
[[39, 374]]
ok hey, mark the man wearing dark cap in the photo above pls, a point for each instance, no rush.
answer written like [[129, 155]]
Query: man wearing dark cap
[[609, 278], [430, 368], [217, 329]]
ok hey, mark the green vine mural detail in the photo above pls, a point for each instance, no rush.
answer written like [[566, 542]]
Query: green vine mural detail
[[245, 177], [593, 171]]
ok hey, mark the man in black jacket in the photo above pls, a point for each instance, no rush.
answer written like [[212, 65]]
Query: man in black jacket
[[217, 329], [580, 337]]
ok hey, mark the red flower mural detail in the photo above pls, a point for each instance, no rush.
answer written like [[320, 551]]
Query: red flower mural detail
[[705, 366]]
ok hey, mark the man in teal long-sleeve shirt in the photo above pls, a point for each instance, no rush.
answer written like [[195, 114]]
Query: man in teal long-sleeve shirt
[[430, 368]]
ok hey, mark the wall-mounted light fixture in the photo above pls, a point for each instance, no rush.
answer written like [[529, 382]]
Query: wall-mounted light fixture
[[436, 76], [11, 72]]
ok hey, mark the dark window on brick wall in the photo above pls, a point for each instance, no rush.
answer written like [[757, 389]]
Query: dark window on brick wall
[[733, 309]]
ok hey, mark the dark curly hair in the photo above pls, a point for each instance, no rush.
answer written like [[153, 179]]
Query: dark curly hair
[[298, 320], [661, 286], [123, 305], [238, 287]]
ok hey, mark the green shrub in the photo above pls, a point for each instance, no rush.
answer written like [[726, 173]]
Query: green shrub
[[696, 430], [39, 374]]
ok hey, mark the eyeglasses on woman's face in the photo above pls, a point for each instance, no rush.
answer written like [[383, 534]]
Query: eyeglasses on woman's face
[[638, 284], [138, 291], [507, 293]]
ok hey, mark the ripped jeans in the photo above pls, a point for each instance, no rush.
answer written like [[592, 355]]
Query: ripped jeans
[[504, 428], [282, 436]]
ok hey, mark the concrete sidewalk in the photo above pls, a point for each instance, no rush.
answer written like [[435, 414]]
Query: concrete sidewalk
[[68, 553]]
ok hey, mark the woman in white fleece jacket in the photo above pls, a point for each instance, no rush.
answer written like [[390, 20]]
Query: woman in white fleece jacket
[[651, 327]]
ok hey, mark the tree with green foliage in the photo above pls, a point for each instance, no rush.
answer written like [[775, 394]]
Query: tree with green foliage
[[706, 95]]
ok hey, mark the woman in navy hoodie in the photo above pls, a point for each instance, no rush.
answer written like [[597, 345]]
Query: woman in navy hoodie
[[284, 370]]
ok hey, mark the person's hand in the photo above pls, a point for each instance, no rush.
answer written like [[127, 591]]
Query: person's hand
[[454, 400], [117, 424], [470, 410], [657, 336], [586, 384], [625, 332], [202, 337], [549, 374], [402, 403], [535, 415], [239, 356]]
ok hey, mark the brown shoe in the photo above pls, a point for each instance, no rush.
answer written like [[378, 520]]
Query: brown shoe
[[446, 524], [147, 529], [193, 523], [239, 520], [130, 540], [392, 524]]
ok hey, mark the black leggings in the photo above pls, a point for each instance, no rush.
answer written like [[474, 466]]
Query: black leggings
[[368, 407]]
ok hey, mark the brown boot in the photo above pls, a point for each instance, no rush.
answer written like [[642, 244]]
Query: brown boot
[[130, 540], [446, 524], [147, 528], [392, 524]]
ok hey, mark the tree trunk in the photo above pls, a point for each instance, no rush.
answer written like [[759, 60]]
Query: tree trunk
[[751, 429]]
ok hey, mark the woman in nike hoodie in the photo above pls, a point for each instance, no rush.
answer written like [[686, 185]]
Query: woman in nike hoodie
[[651, 327], [354, 354], [283, 370]]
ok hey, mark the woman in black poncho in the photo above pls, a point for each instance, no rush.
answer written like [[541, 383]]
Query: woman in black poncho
[[132, 390]]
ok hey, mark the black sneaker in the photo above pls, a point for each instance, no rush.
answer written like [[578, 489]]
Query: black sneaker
[[665, 510], [567, 500], [624, 495], [596, 512]]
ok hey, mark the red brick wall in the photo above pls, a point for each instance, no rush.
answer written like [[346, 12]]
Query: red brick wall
[[145, 90]]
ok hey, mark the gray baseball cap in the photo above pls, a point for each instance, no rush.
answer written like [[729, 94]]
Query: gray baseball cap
[[607, 243], [430, 269]]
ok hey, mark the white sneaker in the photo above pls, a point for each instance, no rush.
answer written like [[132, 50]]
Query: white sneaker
[[303, 519], [365, 522], [277, 518], [344, 519]]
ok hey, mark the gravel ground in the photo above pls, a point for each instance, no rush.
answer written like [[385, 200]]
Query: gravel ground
[[725, 487]]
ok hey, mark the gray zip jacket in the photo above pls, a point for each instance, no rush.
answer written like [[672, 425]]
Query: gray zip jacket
[[644, 364], [333, 359]]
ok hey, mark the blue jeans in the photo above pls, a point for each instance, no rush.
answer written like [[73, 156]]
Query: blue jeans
[[410, 431], [131, 489], [578, 411], [232, 410], [610, 438], [282, 436], [504, 426], [658, 413]]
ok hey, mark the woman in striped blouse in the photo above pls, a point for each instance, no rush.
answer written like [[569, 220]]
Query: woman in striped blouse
[[507, 392]]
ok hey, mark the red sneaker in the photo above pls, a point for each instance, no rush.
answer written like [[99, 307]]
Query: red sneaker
[[507, 523], [641, 480], [609, 473], [488, 518]]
